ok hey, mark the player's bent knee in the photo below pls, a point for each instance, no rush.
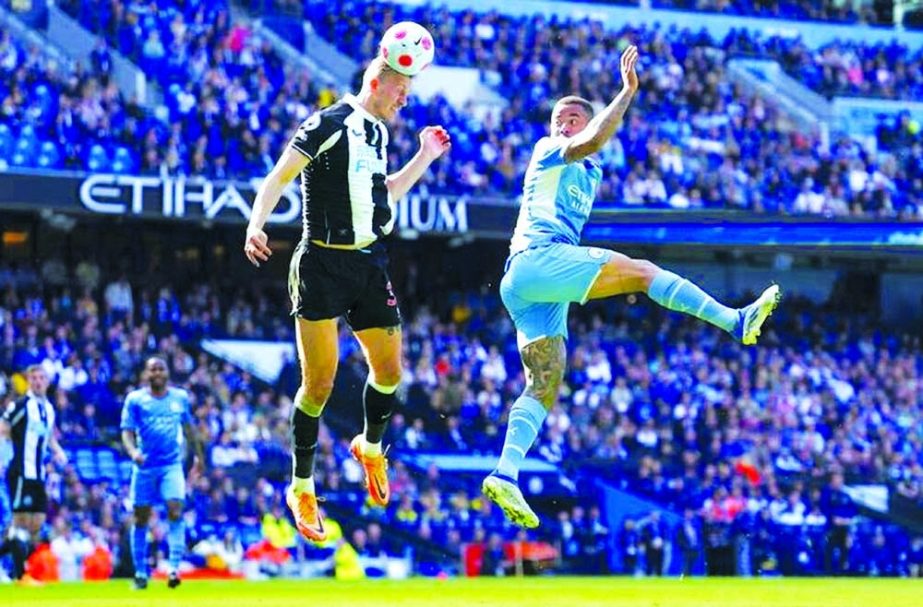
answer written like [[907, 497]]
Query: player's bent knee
[[386, 378], [314, 396], [646, 271]]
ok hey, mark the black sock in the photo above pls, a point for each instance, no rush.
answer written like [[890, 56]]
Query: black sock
[[20, 551], [378, 410], [304, 442]]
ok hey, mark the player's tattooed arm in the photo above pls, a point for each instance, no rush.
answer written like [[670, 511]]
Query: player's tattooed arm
[[544, 362]]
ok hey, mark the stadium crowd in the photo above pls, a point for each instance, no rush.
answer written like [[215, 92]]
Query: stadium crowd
[[801, 10], [690, 143], [750, 445]]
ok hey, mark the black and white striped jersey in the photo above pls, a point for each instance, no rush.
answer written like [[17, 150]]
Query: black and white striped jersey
[[31, 421], [344, 195]]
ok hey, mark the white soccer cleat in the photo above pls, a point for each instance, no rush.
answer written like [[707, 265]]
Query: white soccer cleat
[[507, 495], [753, 316]]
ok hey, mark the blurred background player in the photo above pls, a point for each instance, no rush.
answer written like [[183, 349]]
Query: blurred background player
[[153, 421], [547, 269], [340, 268], [30, 425]]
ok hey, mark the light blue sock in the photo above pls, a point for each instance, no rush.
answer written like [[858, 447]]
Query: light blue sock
[[139, 549], [176, 543], [676, 293], [525, 422]]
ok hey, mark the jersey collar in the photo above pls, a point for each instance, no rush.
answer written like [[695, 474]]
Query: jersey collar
[[353, 102], [34, 396]]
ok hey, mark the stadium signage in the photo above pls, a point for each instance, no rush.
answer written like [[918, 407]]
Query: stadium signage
[[433, 214], [194, 199], [197, 198], [179, 197], [200, 199]]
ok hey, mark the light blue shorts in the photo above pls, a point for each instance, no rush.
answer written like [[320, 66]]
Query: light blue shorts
[[157, 484], [540, 283]]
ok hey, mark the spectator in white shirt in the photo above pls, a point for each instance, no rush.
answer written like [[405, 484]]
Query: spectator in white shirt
[[119, 300], [808, 201], [70, 550]]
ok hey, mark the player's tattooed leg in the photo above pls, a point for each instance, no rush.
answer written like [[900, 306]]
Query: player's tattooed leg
[[544, 361]]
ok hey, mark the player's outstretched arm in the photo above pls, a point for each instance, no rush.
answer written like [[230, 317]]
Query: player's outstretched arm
[[601, 128], [289, 165], [434, 142]]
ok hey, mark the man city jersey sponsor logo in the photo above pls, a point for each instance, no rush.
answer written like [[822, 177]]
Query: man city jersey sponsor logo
[[581, 201]]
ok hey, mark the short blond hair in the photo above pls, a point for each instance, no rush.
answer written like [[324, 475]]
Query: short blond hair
[[377, 69]]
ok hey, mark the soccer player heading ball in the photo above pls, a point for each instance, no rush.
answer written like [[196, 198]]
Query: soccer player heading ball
[[340, 267], [547, 269]]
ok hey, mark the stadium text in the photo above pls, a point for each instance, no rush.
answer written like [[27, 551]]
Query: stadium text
[[179, 197], [433, 214]]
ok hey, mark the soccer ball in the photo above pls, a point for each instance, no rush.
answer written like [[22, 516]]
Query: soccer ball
[[407, 48]]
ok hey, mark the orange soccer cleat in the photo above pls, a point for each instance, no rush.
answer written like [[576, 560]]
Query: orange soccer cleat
[[376, 471], [307, 517]]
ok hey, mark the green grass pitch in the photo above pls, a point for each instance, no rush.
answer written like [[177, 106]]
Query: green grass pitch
[[505, 592]]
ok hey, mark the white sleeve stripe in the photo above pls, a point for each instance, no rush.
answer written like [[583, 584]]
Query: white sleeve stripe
[[18, 417], [302, 152], [331, 141]]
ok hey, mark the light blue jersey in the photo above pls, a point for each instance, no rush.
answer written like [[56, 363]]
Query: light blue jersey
[[158, 424], [547, 268], [557, 197]]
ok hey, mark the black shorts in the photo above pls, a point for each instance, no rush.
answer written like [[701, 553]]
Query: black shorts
[[26, 495], [328, 283]]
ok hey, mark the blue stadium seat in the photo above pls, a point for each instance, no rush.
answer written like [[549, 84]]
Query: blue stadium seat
[[6, 140], [21, 158], [25, 145], [98, 160], [125, 471], [108, 467], [85, 463], [49, 157], [27, 132], [45, 99], [122, 161]]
